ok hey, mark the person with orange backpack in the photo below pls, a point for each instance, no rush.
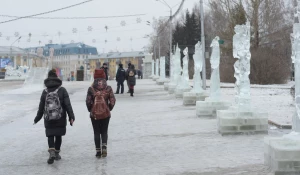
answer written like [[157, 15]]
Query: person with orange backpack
[[100, 101]]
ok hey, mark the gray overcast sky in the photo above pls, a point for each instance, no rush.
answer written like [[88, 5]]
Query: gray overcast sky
[[38, 28]]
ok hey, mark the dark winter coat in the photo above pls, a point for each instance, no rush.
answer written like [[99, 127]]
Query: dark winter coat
[[128, 70], [106, 72], [131, 80], [55, 127], [100, 85], [121, 75]]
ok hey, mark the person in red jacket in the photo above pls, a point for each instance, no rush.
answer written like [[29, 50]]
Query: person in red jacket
[[98, 92]]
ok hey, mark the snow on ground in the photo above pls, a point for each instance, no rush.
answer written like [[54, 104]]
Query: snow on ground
[[152, 133]]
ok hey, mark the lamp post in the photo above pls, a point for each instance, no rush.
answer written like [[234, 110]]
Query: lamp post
[[15, 61], [166, 4], [203, 45]]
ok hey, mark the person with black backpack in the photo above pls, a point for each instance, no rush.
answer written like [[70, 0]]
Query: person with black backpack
[[131, 79], [54, 106], [100, 100], [120, 78]]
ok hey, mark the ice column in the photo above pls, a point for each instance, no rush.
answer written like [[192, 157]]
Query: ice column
[[215, 75], [198, 62], [241, 51], [162, 68], [295, 36]]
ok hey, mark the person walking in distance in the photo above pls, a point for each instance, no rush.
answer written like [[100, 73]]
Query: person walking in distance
[[120, 78], [100, 100], [54, 105], [105, 68], [126, 77], [131, 79]]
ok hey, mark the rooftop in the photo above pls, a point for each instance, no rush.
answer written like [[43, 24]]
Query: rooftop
[[112, 55]]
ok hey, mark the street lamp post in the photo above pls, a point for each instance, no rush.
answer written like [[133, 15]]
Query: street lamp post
[[170, 22], [15, 61], [203, 45]]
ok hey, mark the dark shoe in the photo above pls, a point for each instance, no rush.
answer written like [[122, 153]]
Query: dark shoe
[[57, 156], [51, 155], [117, 93], [104, 151], [98, 153]]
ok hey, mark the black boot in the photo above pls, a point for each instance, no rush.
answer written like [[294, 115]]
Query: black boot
[[57, 156], [104, 150], [131, 92], [98, 152], [51, 155]]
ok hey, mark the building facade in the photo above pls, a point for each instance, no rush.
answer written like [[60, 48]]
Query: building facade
[[14, 56], [113, 59], [67, 58]]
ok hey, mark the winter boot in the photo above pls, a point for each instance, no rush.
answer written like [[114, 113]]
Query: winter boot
[[104, 150], [51, 155], [131, 92], [57, 156], [98, 152]]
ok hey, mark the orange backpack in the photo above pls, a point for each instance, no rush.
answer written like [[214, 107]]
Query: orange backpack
[[100, 108]]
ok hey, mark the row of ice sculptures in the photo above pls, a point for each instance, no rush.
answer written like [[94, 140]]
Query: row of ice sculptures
[[282, 153], [20, 72]]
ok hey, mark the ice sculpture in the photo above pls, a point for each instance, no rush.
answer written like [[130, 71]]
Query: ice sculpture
[[241, 51], [215, 75], [212, 104], [154, 78], [162, 78], [36, 76], [162, 68], [198, 64], [183, 84], [176, 71], [295, 36], [152, 72], [12, 73], [242, 118], [282, 153]]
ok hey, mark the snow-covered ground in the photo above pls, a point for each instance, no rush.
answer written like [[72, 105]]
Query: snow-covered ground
[[152, 133]]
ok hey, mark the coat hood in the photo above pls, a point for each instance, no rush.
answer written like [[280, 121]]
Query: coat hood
[[100, 84], [52, 82]]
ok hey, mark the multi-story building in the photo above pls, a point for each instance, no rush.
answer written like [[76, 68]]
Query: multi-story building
[[67, 58], [114, 58]]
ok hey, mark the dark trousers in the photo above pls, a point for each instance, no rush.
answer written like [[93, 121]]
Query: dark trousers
[[100, 129], [122, 87], [128, 85], [54, 143]]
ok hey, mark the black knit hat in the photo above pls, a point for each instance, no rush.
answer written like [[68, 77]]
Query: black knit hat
[[52, 74]]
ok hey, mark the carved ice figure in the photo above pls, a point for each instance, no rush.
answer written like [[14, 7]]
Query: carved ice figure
[[162, 68], [295, 39], [152, 72], [176, 67], [198, 64], [241, 51], [215, 75], [184, 83], [156, 68]]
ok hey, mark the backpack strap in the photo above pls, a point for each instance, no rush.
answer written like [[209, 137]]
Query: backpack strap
[[57, 89]]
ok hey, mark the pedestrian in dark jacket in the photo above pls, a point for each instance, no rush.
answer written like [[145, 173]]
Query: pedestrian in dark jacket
[[131, 79], [100, 123], [120, 78], [126, 77], [105, 68], [55, 127]]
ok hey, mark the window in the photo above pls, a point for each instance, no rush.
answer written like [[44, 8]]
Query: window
[[78, 56], [86, 56], [78, 62]]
